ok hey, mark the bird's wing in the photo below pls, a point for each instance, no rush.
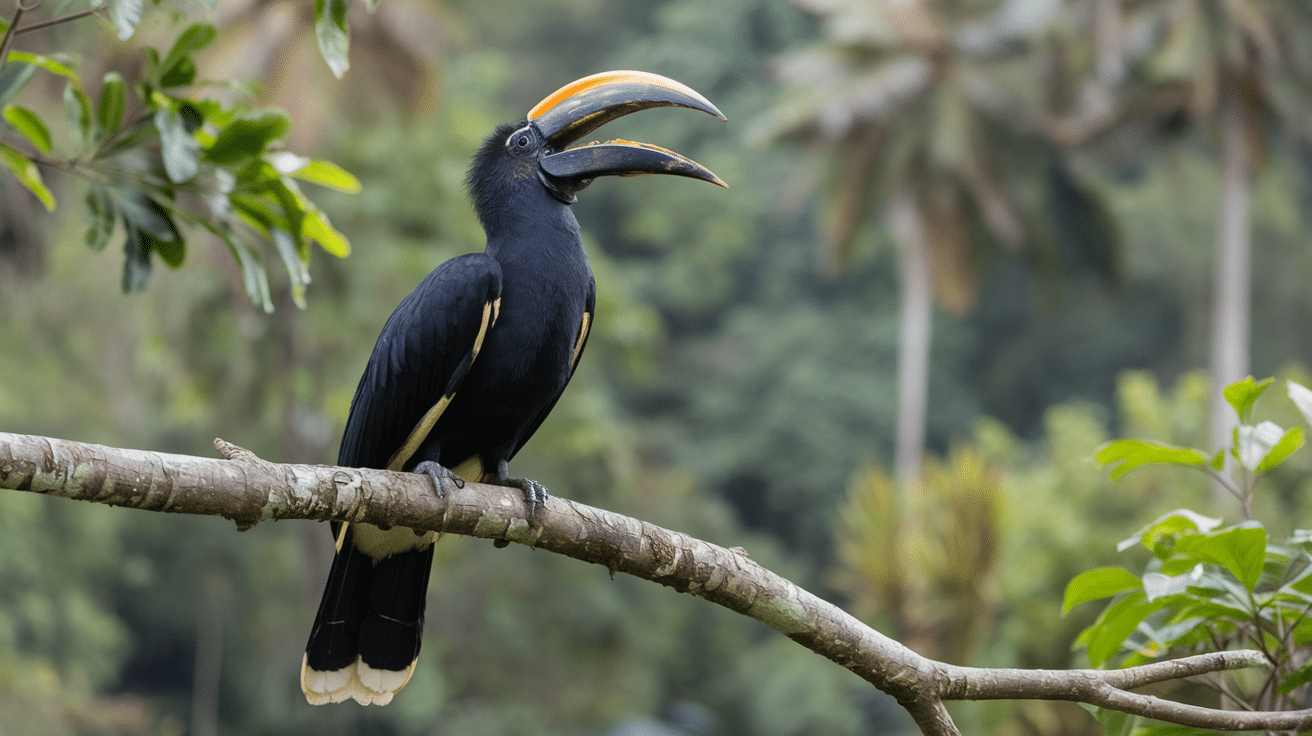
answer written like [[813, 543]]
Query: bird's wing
[[422, 355], [365, 638], [580, 342]]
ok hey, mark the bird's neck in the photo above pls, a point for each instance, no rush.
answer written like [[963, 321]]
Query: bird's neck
[[550, 236]]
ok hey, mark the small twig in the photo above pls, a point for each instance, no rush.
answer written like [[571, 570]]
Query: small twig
[[1224, 691], [230, 451], [9, 32], [21, 7], [1285, 640], [56, 21], [1229, 485]]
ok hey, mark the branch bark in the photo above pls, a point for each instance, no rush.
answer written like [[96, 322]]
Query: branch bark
[[247, 490]]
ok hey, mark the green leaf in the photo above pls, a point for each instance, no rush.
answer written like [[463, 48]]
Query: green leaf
[[181, 74], [126, 15], [253, 277], [257, 214], [293, 207], [297, 273], [333, 34], [1241, 550], [150, 229], [1254, 443], [100, 207], [1297, 678], [308, 221], [171, 251], [1169, 525], [27, 174], [1218, 614], [193, 117], [113, 101], [1302, 398], [1243, 395], [142, 213], [1291, 441], [77, 106], [1171, 634], [179, 148], [49, 63], [247, 136], [1114, 723], [1134, 453], [1100, 582], [1219, 586], [315, 171], [1157, 585], [136, 261], [1116, 624], [177, 69], [29, 125], [13, 77], [316, 227]]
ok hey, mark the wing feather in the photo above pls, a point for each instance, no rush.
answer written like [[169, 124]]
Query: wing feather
[[419, 361]]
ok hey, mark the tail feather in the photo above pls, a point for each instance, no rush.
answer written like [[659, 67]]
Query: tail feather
[[365, 684], [366, 635]]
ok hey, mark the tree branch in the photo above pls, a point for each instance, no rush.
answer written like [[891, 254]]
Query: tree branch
[[248, 490]]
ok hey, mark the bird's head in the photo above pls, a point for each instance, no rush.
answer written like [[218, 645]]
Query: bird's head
[[537, 148]]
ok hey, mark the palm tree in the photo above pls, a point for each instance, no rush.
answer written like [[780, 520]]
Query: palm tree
[[1242, 69], [934, 112]]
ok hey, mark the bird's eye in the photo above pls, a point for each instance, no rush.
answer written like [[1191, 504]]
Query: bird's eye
[[522, 142]]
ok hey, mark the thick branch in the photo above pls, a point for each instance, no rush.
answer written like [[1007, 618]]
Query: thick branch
[[248, 490]]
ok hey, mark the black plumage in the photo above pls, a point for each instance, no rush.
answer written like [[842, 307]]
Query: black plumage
[[470, 364]]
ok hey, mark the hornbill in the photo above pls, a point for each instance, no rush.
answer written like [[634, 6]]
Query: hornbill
[[471, 362]]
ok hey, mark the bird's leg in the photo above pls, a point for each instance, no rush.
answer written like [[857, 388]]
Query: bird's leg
[[439, 475], [535, 494]]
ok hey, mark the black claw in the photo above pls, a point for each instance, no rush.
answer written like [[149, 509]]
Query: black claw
[[439, 474], [535, 495]]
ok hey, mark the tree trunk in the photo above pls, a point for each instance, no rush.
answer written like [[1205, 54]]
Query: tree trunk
[[209, 653], [1231, 287], [914, 339]]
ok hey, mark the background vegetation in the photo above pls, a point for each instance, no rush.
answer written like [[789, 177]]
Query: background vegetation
[[740, 383]]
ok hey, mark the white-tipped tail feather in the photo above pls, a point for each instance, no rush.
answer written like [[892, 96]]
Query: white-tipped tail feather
[[358, 680]]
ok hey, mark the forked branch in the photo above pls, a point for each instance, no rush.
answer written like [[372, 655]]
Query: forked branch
[[247, 490]]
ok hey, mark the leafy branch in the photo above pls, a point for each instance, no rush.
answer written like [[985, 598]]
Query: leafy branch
[[248, 490], [162, 163], [1210, 587]]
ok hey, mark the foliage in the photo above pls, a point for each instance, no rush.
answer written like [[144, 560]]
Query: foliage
[[1209, 586], [927, 563], [164, 164], [939, 106], [972, 571], [727, 385]]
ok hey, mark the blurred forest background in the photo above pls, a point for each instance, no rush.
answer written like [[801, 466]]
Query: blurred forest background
[[741, 381]]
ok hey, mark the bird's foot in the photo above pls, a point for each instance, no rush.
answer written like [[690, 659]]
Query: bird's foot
[[440, 475], [535, 494]]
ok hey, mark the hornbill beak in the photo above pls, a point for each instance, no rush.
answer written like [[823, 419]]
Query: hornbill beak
[[581, 107]]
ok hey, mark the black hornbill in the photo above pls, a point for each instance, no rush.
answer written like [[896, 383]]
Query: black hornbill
[[471, 362]]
